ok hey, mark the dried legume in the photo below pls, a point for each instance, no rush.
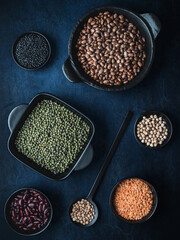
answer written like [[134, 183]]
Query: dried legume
[[29, 210], [152, 130], [111, 49], [82, 212], [133, 199], [52, 136]]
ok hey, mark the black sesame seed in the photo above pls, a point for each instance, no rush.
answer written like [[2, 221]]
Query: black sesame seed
[[31, 51]]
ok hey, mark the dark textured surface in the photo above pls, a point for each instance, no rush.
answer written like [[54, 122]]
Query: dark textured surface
[[160, 91]]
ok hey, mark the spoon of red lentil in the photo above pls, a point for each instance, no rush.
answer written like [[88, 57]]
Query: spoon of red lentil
[[84, 212]]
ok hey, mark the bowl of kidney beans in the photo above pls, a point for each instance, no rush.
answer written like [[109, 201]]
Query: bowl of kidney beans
[[28, 211]]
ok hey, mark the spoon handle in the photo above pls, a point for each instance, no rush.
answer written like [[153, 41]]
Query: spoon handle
[[111, 153]]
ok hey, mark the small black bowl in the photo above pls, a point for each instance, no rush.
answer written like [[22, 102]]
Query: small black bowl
[[10, 222], [144, 219], [168, 125], [27, 34]]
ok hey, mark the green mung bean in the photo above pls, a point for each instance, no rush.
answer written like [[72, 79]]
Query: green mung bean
[[52, 136]]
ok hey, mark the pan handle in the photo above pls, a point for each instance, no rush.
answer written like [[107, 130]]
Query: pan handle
[[15, 116], [69, 72], [153, 22]]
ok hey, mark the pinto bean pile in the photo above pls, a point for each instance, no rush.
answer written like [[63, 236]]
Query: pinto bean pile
[[30, 211], [111, 49], [133, 199]]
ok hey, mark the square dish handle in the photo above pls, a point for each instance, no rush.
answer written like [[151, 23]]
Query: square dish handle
[[15, 116]]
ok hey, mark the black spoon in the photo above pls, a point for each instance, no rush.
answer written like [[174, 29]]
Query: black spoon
[[102, 171]]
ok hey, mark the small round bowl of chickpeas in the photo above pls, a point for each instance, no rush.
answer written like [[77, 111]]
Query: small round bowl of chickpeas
[[153, 129]]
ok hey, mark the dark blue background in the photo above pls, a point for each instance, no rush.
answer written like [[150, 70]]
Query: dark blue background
[[160, 91]]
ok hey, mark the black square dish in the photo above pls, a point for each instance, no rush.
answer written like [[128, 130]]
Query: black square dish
[[29, 162]]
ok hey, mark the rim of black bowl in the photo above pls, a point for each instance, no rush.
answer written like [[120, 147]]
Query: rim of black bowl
[[145, 218], [164, 117], [16, 41], [94, 219], [9, 222]]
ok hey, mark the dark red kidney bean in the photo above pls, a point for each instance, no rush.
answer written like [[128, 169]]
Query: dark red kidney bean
[[21, 213], [46, 210], [44, 206], [34, 228], [24, 220], [30, 199], [36, 222], [29, 210], [20, 202], [26, 212], [40, 208], [29, 225], [19, 196], [18, 223], [40, 198], [39, 225], [45, 221], [31, 205], [25, 228], [12, 213], [21, 219], [36, 194]]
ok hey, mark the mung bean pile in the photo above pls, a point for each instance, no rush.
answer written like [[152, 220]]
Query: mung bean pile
[[52, 136]]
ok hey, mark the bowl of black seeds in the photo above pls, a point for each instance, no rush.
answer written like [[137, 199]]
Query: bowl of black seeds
[[31, 50]]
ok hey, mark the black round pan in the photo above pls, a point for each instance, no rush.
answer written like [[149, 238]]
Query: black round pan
[[147, 23]]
